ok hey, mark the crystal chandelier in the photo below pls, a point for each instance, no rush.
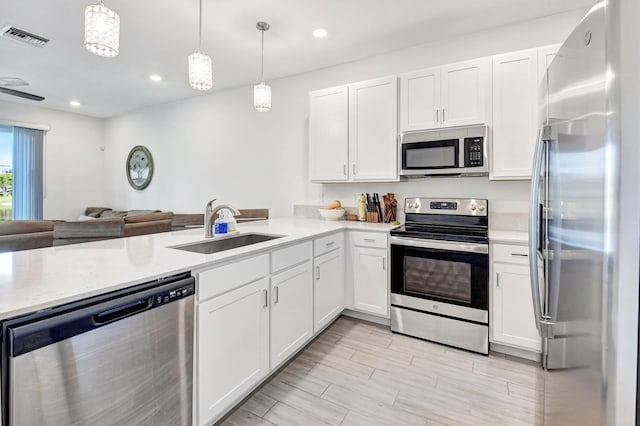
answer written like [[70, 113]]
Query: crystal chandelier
[[101, 30], [200, 67], [262, 91]]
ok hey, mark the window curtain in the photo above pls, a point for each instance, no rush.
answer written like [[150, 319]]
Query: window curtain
[[28, 153]]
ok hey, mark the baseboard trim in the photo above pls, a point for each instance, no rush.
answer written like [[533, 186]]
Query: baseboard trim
[[515, 352], [366, 317]]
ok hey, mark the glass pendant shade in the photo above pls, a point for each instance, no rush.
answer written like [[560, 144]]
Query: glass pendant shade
[[200, 71], [262, 97], [101, 30]]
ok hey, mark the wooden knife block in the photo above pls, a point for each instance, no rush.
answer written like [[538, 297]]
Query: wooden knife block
[[372, 217]]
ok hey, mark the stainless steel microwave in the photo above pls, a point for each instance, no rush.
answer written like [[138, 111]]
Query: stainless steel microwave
[[460, 151]]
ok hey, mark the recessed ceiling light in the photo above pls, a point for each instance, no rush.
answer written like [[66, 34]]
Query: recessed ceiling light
[[320, 33], [74, 103], [155, 77]]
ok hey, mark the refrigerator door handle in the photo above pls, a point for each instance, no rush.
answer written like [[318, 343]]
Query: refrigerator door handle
[[534, 221]]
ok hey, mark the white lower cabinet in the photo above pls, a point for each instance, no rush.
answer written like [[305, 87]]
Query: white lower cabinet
[[370, 289], [328, 288], [291, 307], [232, 348], [513, 322]]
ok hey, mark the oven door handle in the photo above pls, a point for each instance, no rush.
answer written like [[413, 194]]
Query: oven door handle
[[441, 245]]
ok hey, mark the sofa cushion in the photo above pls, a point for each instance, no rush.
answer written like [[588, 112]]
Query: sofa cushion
[[98, 228], [95, 211], [25, 226], [112, 213], [31, 240], [141, 212], [148, 217], [144, 228]]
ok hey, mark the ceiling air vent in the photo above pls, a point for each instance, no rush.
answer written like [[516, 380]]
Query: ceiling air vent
[[23, 36]]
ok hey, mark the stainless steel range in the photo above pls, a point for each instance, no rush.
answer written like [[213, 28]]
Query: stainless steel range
[[440, 272]]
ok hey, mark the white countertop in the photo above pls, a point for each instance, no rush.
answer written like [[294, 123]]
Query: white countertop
[[508, 237], [32, 280]]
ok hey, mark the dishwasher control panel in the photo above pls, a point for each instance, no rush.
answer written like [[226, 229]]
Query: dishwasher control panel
[[174, 294]]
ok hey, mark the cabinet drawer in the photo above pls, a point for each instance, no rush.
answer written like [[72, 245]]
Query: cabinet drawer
[[290, 256], [234, 275], [510, 253], [326, 244], [370, 239]]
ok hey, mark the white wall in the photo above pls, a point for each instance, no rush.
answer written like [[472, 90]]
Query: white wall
[[217, 146], [74, 160]]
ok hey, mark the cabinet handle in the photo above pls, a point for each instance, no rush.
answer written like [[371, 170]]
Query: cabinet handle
[[497, 280], [519, 255], [329, 244], [266, 298], [443, 120], [344, 169], [384, 263], [370, 240], [317, 272], [354, 168], [437, 116], [275, 294]]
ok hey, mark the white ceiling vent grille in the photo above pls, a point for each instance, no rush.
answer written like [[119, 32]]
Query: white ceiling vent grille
[[23, 36]]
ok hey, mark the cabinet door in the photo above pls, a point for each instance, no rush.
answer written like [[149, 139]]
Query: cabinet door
[[232, 348], [513, 321], [373, 129], [420, 100], [329, 134], [465, 92], [545, 56], [370, 289], [291, 311], [515, 112], [328, 288]]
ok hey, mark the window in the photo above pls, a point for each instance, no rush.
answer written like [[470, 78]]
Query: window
[[21, 173]]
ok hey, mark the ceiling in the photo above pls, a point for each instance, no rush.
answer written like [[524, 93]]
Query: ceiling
[[157, 35]]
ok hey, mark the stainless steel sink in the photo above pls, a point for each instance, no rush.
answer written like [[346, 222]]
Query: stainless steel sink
[[218, 244]]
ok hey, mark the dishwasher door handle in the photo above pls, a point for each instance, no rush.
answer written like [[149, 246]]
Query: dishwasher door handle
[[122, 311]]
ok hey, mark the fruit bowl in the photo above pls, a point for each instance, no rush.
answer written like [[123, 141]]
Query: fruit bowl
[[332, 214]]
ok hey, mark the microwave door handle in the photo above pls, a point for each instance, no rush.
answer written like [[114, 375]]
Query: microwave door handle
[[534, 229]]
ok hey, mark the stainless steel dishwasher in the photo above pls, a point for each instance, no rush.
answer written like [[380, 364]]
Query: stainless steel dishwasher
[[124, 358]]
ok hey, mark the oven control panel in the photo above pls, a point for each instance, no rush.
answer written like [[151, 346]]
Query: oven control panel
[[446, 206]]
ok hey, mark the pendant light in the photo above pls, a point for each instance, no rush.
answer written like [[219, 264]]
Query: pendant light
[[200, 69], [262, 91], [101, 30]]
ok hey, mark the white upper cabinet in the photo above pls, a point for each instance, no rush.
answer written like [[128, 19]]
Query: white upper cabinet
[[517, 110], [545, 56], [447, 96], [420, 100], [373, 129], [465, 93], [515, 114], [329, 134], [353, 132]]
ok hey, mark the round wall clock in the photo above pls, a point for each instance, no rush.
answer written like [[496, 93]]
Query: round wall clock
[[139, 167]]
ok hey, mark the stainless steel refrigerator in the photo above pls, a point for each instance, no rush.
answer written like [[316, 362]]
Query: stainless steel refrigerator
[[573, 231]]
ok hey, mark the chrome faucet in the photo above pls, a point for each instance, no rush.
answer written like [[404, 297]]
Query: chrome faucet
[[210, 213]]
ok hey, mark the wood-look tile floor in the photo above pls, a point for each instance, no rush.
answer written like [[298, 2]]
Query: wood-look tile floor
[[358, 373]]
